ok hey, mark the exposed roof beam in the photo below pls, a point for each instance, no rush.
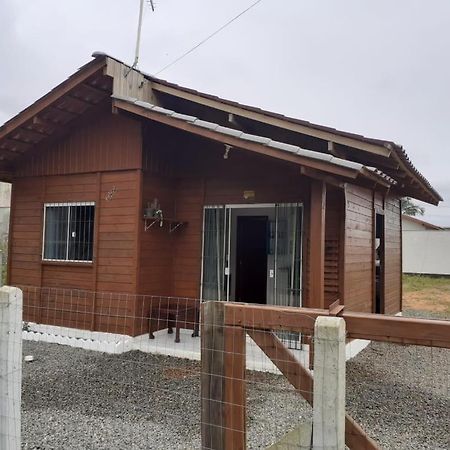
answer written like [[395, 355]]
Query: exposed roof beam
[[84, 73], [235, 141], [23, 141], [339, 153], [94, 90], [28, 128], [278, 122], [68, 114], [14, 145], [318, 175]]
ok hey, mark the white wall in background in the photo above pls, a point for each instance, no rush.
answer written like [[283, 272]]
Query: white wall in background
[[5, 201], [426, 251]]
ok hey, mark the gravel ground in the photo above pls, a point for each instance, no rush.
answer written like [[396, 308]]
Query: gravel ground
[[401, 395], [79, 399]]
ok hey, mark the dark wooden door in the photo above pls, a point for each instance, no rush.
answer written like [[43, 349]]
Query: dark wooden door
[[251, 259]]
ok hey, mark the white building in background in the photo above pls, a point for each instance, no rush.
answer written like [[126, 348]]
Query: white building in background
[[5, 202], [426, 247]]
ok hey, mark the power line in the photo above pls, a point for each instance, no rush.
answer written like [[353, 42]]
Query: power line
[[179, 58]]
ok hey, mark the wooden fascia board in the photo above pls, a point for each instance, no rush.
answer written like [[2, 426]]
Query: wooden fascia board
[[303, 129], [52, 96], [235, 142]]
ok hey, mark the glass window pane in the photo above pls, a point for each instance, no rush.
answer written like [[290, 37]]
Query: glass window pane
[[81, 232], [214, 254], [55, 239]]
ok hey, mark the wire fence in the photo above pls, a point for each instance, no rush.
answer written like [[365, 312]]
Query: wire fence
[[145, 372]]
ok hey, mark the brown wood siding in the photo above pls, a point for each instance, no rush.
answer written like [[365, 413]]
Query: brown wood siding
[[114, 265], [201, 176], [333, 245], [359, 242], [218, 182], [111, 142], [187, 248], [156, 243], [393, 255]]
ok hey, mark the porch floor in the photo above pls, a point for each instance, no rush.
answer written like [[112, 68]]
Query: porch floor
[[189, 348], [163, 344]]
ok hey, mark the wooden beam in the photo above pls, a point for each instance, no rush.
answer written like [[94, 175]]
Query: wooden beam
[[29, 128], [17, 137], [375, 327], [79, 120], [326, 178], [27, 135], [37, 120], [84, 73], [234, 141], [335, 151], [302, 380], [271, 120], [95, 90], [317, 245], [67, 115], [285, 362]]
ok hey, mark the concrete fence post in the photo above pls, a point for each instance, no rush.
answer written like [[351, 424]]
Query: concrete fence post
[[10, 366], [329, 383]]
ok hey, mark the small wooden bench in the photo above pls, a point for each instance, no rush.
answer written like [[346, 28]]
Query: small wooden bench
[[174, 314]]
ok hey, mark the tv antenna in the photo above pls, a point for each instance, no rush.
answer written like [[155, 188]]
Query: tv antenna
[[138, 37]]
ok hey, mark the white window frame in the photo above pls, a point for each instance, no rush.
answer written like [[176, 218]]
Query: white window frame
[[66, 204]]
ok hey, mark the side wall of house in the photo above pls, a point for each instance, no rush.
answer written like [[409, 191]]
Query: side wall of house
[[359, 276], [334, 240], [107, 285], [393, 255], [359, 249]]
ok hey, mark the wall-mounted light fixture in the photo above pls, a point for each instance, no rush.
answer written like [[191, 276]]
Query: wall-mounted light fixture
[[227, 151]]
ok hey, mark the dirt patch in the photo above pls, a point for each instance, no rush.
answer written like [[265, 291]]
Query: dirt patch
[[175, 373], [433, 300]]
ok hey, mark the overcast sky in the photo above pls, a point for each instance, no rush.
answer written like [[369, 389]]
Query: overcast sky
[[380, 68]]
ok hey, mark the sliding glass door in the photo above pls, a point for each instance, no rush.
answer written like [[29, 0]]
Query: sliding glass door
[[284, 251], [215, 253]]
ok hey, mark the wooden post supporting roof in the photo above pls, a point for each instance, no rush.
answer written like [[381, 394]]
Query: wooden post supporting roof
[[317, 245]]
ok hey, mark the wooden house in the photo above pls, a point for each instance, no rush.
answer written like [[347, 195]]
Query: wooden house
[[125, 186]]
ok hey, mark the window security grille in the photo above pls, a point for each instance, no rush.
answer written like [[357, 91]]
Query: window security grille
[[69, 231]]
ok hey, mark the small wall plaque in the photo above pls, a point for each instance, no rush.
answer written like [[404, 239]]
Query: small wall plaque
[[249, 195]]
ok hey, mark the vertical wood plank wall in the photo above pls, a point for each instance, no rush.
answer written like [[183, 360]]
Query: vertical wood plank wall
[[393, 255], [333, 245], [359, 242], [103, 162], [110, 144]]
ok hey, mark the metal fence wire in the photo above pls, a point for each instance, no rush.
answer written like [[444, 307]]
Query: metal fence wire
[[111, 371]]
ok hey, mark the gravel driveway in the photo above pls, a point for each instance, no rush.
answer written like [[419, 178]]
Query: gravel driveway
[[78, 399]]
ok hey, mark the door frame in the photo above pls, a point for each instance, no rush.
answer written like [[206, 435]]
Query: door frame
[[228, 209]]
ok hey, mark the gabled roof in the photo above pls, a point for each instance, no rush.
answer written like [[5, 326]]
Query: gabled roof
[[92, 85]]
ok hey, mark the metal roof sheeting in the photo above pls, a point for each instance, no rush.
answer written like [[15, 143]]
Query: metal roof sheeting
[[396, 148], [225, 131]]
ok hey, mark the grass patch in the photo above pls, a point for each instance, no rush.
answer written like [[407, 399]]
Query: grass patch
[[414, 283]]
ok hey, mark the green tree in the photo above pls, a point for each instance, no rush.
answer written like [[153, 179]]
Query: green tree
[[410, 208]]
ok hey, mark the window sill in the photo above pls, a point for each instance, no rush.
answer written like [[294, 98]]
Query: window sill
[[67, 263]]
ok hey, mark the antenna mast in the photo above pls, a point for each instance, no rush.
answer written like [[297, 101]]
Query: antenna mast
[[138, 37]]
